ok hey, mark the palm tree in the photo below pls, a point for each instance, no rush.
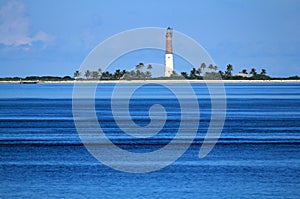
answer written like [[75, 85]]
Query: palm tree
[[263, 72], [253, 72], [139, 66], [148, 74], [138, 74], [244, 71], [132, 73], [106, 75], [211, 67], [215, 68], [117, 74], [95, 74], [184, 74], [124, 74], [77, 74], [149, 67], [193, 73], [100, 72], [87, 74], [202, 66], [221, 74], [200, 69], [228, 70], [174, 73]]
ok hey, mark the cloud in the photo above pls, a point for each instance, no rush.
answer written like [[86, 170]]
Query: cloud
[[14, 27]]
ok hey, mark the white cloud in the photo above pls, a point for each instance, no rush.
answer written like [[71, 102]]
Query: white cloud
[[14, 27]]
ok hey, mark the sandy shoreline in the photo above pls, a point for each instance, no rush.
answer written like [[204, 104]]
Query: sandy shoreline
[[154, 81]]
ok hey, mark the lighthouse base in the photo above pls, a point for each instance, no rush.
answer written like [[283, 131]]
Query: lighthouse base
[[168, 65]]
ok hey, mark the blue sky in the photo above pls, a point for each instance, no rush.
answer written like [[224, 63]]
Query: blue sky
[[53, 37]]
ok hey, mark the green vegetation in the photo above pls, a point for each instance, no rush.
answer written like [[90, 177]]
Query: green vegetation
[[200, 73], [140, 72], [37, 78], [144, 72]]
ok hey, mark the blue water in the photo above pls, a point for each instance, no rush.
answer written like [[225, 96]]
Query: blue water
[[257, 155]]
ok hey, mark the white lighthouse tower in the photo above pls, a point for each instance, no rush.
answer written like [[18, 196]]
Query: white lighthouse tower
[[169, 53]]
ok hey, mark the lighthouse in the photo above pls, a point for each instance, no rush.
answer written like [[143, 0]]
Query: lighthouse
[[169, 53]]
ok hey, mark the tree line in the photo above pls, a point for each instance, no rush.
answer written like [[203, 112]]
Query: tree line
[[244, 74], [212, 72], [204, 71], [38, 78], [140, 72]]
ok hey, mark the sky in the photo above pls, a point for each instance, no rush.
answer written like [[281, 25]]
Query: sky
[[54, 37]]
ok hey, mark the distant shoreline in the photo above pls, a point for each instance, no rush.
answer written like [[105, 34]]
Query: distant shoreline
[[153, 81]]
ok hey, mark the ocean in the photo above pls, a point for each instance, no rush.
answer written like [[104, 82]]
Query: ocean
[[256, 156]]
